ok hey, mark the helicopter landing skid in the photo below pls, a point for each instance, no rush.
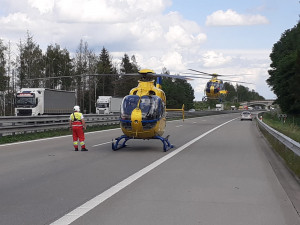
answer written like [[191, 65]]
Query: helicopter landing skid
[[116, 146], [165, 141]]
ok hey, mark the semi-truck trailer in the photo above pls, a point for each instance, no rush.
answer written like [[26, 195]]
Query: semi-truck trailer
[[43, 101], [108, 105]]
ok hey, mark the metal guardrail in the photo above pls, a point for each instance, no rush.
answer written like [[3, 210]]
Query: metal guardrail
[[288, 142], [11, 125]]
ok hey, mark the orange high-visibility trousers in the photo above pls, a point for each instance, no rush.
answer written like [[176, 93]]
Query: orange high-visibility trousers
[[78, 134]]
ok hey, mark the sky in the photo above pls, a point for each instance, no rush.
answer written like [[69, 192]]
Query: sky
[[213, 36]]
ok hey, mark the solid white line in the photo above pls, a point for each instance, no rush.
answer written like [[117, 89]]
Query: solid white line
[[102, 144], [83, 209], [45, 139]]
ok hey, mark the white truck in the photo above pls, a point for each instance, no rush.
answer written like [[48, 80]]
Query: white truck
[[41, 101], [108, 105], [219, 107]]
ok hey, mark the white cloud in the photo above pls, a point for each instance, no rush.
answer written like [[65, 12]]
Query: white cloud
[[15, 22], [15, 17], [232, 18], [44, 6], [173, 60], [107, 11], [213, 59], [179, 37], [89, 11], [146, 30]]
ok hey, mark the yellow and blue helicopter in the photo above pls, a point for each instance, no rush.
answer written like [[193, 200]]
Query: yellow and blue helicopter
[[214, 88], [143, 111]]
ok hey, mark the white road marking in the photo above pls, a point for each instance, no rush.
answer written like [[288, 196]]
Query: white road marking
[[44, 139], [194, 122], [179, 126], [102, 144], [89, 205]]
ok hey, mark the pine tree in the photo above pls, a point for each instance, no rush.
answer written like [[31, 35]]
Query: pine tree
[[31, 64], [57, 64], [127, 82], [106, 83]]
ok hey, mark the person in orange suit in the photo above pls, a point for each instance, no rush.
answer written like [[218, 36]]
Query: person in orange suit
[[77, 124]]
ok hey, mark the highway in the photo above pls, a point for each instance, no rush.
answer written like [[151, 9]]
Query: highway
[[217, 174]]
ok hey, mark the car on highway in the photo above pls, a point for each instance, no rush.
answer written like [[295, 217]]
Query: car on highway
[[246, 115]]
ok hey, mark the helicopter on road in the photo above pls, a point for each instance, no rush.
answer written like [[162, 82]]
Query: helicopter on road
[[214, 88], [143, 111]]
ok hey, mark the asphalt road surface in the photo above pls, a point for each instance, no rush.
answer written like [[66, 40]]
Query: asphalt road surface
[[217, 174]]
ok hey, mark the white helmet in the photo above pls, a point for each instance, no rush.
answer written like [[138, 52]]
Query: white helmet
[[76, 108]]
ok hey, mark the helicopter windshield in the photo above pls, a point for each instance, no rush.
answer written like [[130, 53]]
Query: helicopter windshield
[[152, 107], [129, 103], [216, 85]]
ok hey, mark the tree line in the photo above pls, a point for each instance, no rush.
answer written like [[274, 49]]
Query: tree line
[[240, 93], [22, 69], [285, 70]]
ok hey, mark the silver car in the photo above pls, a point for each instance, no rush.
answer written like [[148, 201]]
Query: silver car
[[246, 115]]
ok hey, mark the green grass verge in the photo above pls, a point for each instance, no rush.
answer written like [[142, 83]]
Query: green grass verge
[[47, 134], [291, 159], [290, 128]]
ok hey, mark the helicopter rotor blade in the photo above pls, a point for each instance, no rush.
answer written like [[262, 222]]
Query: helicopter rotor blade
[[196, 77], [79, 75], [125, 74], [193, 75], [172, 76], [202, 73], [215, 74], [238, 81]]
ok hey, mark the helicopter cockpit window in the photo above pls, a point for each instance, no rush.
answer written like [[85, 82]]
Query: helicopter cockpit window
[[209, 84], [216, 85], [151, 107], [221, 86], [129, 103]]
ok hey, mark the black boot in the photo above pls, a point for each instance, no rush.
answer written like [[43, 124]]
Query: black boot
[[84, 149], [76, 149]]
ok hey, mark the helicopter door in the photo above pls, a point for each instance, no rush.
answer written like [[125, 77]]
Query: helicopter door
[[152, 111], [151, 107], [129, 103]]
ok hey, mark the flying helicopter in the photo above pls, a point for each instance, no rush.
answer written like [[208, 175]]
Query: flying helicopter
[[214, 88], [143, 111]]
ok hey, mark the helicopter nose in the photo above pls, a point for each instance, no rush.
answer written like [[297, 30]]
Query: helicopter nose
[[136, 118]]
